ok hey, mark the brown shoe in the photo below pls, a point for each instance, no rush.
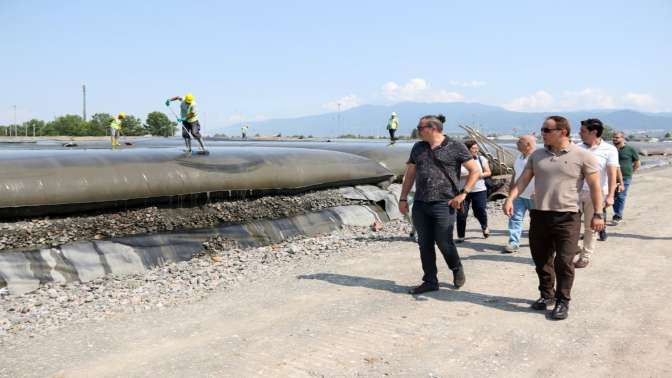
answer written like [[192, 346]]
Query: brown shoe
[[581, 263]]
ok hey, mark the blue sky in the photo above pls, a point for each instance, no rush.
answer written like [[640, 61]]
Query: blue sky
[[255, 60]]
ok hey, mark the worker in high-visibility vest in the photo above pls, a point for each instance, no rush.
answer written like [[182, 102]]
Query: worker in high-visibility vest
[[115, 128], [189, 120], [392, 126]]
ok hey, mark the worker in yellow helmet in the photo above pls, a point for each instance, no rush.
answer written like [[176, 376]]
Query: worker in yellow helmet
[[189, 120], [115, 128], [392, 126]]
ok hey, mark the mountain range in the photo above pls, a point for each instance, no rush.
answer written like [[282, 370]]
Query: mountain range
[[372, 120]]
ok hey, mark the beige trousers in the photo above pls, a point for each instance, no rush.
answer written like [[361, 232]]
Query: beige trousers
[[588, 234]]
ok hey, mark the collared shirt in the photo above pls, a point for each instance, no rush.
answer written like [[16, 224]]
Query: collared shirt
[[518, 168], [626, 156], [607, 156], [431, 182], [559, 177]]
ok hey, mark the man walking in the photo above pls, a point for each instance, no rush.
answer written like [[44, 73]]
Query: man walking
[[115, 128], [392, 126], [559, 170], [189, 120], [526, 146], [628, 159], [243, 131], [434, 167], [607, 160]]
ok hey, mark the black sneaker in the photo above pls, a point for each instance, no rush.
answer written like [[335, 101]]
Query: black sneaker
[[459, 240], [616, 220], [542, 304], [561, 310], [423, 288], [458, 278]]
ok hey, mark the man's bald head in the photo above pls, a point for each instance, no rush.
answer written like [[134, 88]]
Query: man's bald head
[[526, 144]]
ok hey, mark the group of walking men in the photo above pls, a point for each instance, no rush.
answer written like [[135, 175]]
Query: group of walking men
[[558, 184]]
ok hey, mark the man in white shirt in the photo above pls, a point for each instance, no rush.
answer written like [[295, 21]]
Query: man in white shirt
[[607, 158], [526, 145]]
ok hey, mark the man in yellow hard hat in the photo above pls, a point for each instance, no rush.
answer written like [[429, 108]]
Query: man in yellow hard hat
[[189, 120], [392, 126], [115, 128]]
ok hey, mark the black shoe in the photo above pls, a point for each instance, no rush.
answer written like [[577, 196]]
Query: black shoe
[[459, 240], [423, 288], [602, 235], [542, 304], [458, 278], [561, 310]]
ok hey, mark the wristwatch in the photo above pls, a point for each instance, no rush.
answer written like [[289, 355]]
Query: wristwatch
[[463, 191], [597, 215]]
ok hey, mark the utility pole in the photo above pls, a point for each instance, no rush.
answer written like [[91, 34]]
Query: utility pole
[[84, 102]]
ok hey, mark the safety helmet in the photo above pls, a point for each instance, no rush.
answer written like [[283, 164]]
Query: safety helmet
[[394, 114], [122, 115], [189, 98]]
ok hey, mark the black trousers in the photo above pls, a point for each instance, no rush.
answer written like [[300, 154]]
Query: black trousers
[[392, 131], [479, 203], [553, 240], [433, 222], [193, 127]]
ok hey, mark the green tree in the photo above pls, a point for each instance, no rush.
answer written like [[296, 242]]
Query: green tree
[[132, 126], [607, 133], [69, 124], [158, 124], [99, 124], [668, 135], [34, 124]]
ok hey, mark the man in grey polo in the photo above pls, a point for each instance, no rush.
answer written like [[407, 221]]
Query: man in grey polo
[[559, 171]]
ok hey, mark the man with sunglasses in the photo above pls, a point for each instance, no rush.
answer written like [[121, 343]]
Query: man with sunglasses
[[559, 170], [607, 159], [434, 167]]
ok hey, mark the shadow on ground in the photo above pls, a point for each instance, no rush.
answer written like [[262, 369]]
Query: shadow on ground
[[494, 301]]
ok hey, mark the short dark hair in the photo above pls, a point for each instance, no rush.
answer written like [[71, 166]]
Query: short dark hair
[[593, 124], [435, 121], [561, 123], [469, 143]]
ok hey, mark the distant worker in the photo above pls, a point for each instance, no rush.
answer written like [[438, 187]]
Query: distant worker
[[243, 131], [115, 128], [607, 161], [392, 126], [526, 146], [189, 119], [628, 159]]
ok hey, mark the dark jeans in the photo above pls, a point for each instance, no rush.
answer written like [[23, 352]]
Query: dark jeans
[[392, 131], [619, 200], [553, 240], [434, 223], [193, 127], [479, 203]]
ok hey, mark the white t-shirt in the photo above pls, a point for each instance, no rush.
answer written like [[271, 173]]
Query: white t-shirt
[[480, 184], [607, 156], [518, 168]]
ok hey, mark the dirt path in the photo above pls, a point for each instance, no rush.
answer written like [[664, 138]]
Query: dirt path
[[350, 316]]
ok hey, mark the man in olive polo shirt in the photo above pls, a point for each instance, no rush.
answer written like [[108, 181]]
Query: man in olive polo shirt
[[628, 158], [559, 170]]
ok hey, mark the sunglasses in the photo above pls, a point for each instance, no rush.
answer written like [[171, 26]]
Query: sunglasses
[[419, 127], [546, 130]]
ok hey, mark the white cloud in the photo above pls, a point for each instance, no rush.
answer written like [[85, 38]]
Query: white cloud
[[641, 101], [540, 100], [418, 90], [343, 103], [588, 98], [467, 84]]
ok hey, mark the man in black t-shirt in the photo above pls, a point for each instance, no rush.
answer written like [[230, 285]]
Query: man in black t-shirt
[[434, 167]]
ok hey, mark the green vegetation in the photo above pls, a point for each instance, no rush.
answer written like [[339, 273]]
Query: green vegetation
[[156, 124]]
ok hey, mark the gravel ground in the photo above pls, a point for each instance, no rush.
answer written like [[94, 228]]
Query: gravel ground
[[221, 265], [56, 231]]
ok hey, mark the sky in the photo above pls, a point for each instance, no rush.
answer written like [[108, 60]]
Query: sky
[[257, 60]]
